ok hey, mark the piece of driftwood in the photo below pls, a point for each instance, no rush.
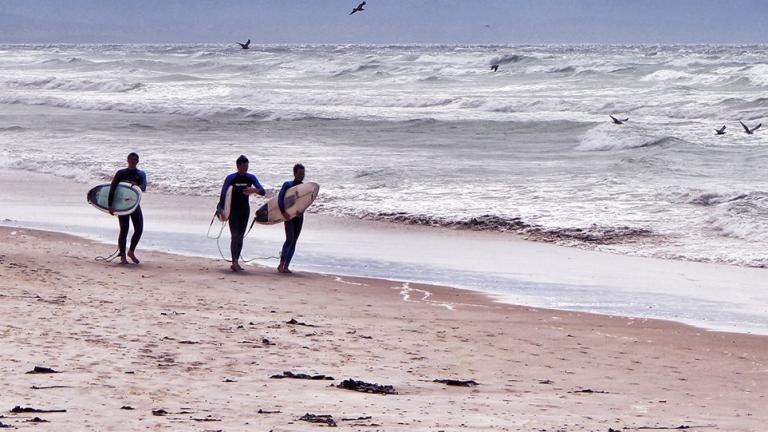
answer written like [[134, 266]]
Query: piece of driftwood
[[49, 387], [20, 409], [588, 390], [362, 386], [294, 322], [289, 374], [37, 420], [42, 370], [455, 382], [319, 418]]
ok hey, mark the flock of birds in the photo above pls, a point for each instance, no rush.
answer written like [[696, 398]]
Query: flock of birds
[[495, 67], [748, 130]]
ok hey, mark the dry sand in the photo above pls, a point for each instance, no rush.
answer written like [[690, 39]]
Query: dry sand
[[186, 336]]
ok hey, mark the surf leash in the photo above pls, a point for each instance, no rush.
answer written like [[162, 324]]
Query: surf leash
[[223, 224], [109, 258], [218, 244]]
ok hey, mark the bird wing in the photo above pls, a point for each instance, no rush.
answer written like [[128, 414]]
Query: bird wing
[[248, 42], [612, 118], [744, 126], [757, 127], [626, 119]]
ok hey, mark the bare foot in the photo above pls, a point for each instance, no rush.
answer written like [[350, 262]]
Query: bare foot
[[133, 258], [280, 267], [236, 267], [123, 260], [285, 270]]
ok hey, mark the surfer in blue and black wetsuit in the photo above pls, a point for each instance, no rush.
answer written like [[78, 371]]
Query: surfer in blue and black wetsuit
[[243, 184], [292, 225], [136, 177]]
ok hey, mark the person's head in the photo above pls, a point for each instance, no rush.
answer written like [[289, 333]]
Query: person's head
[[242, 164], [133, 160], [298, 172]]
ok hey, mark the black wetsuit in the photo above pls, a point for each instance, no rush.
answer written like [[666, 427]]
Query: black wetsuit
[[292, 227], [240, 208], [136, 177]]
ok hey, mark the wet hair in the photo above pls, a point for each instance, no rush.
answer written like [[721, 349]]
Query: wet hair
[[297, 167], [132, 155], [241, 160]]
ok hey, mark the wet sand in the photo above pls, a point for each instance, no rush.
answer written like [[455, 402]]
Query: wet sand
[[186, 338], [521, 272]]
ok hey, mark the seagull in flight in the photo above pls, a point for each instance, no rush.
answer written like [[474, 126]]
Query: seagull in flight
[[748, 130], [617, 121], [720, 131], [359, 8], [494, 68], [245, 45]]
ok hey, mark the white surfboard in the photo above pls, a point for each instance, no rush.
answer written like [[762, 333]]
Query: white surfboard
[[224, 213], [126, 200], [297, 200]]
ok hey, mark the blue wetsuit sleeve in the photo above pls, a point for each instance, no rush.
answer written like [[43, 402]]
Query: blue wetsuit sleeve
[[113, 187], [143, 181], [223, 196], [256, 184], [281, 196]]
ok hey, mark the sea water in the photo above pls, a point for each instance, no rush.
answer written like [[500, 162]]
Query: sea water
[[425, 135]]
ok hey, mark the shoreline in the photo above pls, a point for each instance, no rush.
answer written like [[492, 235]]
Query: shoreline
[[513, 270], [485, 298], [183, 335]]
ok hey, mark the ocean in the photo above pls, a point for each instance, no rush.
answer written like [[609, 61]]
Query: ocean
[[425, 135]]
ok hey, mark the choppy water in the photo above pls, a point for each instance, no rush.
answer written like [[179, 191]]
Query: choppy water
[[425, 134]]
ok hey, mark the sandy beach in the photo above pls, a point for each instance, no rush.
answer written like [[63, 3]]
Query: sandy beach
[[180, 343]]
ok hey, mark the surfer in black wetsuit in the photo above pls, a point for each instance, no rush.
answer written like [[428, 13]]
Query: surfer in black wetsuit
[[136, 177], [292, 225], [243, 184]]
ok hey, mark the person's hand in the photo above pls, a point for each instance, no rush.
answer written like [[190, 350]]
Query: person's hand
[[286, 216], [250, 190], [112, 211]]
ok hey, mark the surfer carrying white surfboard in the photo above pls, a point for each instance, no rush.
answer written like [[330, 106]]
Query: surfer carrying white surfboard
[[292, 225], [138, 178], [243, 185]]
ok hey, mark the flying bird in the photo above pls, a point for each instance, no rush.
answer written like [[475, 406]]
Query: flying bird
[[494, 68], [748, 130], [359, 8], [245, 45], [720, 131], [617, 121]]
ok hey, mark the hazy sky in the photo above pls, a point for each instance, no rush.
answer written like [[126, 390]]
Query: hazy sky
[[384, 21]]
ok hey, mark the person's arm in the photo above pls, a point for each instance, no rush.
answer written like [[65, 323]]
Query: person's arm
[[113, 187], [281, 197], [223, 196], [257, 185], [142, 181]]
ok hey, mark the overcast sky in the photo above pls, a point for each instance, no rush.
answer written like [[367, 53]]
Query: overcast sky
[[384, 21]]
